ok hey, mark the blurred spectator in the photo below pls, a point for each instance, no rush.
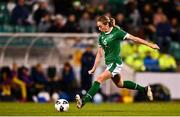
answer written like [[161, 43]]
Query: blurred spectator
[[45, 23], [95, 2], [5, 81], [134, 15], [41, 11], [127, 49], [77, 9], [120, 21], [176, 9], [86, 23], [158, 16], [151, 64], [87, 62], [55, 82], [108, 14], [167, 6], [51, 73], [58, 25], [16, 80], [68, 77], [163, 28], [39, 78], [10, 6], [163, 31], [100, 10], [69, 80], [24, 75], [20, 14], [147, 14], [175, 30], [147, 21], [116, 6], [167, 63], [135, 61], [72, 25]]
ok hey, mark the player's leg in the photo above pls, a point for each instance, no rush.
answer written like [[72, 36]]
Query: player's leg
[[115, 70], [118, 80], [93, 90]]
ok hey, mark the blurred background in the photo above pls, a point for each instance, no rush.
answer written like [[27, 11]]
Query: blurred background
[[47, 47]]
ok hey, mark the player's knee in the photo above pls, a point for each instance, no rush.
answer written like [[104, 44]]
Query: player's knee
[[120, 84], [117, 80], [100, 79]]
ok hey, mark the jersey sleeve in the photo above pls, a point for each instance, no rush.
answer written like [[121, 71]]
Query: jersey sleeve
[[122, 34]]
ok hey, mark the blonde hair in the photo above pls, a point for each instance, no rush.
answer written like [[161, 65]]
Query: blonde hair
[[106, 20]]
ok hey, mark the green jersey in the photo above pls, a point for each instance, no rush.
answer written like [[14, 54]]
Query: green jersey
[[110, 42]]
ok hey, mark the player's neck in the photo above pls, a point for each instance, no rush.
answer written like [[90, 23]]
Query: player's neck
[[109, 31]]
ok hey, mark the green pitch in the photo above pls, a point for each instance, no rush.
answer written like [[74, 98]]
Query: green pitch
[[112, 109]]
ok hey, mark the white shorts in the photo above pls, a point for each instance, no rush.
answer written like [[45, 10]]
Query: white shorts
[[114, 68]]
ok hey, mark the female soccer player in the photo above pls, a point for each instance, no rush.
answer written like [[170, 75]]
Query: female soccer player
[[109, 41]]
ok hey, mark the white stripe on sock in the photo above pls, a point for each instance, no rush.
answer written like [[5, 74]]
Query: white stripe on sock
[[89, 95], [135, 86]]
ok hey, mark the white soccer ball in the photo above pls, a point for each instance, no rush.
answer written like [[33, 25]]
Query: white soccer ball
[[62, 105], [98, 98]]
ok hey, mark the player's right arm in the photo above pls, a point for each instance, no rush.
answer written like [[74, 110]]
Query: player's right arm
[[97, 60]]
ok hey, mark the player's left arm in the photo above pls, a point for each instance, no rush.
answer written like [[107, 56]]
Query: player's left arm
[[142, 41]]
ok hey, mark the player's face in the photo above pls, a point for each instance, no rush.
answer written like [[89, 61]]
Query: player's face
[[102, 27]]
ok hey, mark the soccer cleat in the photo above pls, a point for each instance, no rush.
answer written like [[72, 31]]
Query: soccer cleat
[[149, 93], [78, 101]]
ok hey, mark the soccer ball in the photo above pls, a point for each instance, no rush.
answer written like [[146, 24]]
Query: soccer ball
[[62, 105]]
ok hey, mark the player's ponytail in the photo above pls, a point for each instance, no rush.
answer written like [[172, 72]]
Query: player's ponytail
[[112, 22], [106, 20]]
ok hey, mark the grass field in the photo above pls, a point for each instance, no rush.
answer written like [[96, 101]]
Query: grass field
[[111, 109]]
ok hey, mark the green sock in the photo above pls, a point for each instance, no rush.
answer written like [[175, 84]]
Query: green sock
[[92, 91], [132, 85]]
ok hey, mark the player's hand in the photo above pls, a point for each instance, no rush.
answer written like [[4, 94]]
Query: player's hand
[[155, 46], [91, 71]]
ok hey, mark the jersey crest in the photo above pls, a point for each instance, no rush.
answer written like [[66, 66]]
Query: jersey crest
[[105, 42]]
